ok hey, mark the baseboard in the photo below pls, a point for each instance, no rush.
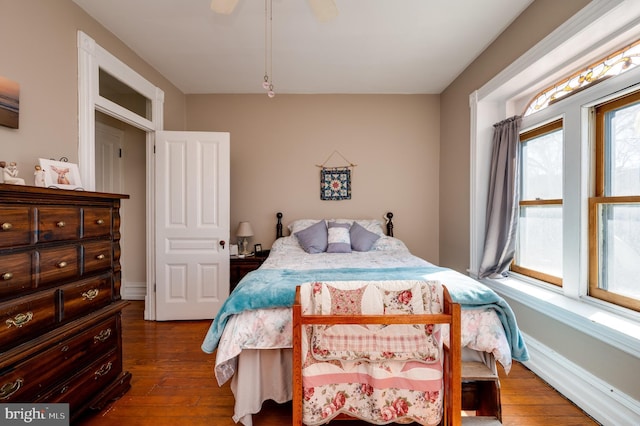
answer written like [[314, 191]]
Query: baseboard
[[133, 290], [606, 404]]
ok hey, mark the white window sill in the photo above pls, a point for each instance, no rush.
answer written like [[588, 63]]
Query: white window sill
[[589, 316]]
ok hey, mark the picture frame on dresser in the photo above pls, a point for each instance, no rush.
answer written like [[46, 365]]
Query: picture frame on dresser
[[60, 174]]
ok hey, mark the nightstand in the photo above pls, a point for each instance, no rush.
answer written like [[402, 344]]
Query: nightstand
[[239, 267]]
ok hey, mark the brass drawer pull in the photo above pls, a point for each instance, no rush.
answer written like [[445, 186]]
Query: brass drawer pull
[[6, 226], [102, 336], [9, 389], [61, 224], [7, 276], [19, 320], [100, 257], [100, 222], [62, 264], [103, 370], [91, 294]]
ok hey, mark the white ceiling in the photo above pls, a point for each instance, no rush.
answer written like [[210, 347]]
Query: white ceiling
[[373, 46]]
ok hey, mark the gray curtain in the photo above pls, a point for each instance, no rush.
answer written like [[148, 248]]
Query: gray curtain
[[502, 205]]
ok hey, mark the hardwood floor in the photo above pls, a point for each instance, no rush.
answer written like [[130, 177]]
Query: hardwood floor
[[173, 383]]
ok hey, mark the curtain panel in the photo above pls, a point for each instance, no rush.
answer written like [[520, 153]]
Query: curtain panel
[[502, 205]]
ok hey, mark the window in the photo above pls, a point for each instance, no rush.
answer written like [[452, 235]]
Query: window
[[116, 91], [614, 211], [599, 135], [539, 239]]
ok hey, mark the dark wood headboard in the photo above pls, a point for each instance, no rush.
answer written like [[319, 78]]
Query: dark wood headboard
[[279, 225], [389, 216]]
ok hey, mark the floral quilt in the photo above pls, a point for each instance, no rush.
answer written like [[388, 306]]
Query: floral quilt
[[399, 381]]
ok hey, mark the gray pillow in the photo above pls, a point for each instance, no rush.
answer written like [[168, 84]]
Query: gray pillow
[[338, 239], [361, 239], [314, 238]]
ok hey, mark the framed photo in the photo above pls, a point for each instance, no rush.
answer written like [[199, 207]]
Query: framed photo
[[60, 174], [257, 249], [9, 103]]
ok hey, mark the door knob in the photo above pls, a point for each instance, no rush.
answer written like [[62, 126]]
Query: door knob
[[222, 243]]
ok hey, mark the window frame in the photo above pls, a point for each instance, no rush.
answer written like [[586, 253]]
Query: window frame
[[599, 199], [525, 136]]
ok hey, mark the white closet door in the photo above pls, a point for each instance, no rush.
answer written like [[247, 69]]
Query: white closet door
[[108, 158], [192, 224]]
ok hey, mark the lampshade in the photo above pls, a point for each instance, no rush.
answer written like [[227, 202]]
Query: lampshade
[[244, 230], [224, 7]]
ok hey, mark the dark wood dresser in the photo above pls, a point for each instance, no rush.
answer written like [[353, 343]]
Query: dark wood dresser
[[60, 305]]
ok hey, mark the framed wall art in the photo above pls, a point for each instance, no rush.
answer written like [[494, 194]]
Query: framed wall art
[[60, 174], [9, 103]]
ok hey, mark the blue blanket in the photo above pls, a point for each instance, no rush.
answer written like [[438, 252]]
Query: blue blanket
[[272, 288]]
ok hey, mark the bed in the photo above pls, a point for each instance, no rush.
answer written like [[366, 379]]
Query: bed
[[252, 335]]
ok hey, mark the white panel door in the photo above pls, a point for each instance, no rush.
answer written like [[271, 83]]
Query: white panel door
[[192, 224]]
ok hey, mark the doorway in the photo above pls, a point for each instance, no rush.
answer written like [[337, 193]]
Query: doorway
[[129, 99], [120, 168]]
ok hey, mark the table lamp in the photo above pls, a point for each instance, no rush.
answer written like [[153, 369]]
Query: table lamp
[[243, 233]]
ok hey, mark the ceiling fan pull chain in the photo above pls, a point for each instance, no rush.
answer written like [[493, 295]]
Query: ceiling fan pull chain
[[271, 93]]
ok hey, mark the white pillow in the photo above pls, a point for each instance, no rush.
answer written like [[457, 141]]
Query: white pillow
[[300, 224], [372, 225], [339, 238]]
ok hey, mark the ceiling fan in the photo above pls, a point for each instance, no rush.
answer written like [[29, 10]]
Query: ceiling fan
[[324, 10]]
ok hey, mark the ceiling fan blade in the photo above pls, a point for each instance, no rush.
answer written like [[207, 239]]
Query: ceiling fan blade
[[224, 7], [324, 10]]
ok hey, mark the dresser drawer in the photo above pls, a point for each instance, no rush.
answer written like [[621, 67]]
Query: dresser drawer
[[96, 222], [96, 256], [15, 226], [30, 379], [59, 263], [87, 383], [15, 273], [85, 296], [26, 317], [57, 224], [91, 343]]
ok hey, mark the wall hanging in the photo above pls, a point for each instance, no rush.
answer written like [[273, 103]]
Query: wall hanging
[[335, 182]]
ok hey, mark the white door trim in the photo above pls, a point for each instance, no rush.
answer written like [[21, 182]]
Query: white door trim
[[92, 57]]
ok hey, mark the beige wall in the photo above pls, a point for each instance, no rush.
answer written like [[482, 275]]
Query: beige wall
[[277, 143], [39, 51]]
